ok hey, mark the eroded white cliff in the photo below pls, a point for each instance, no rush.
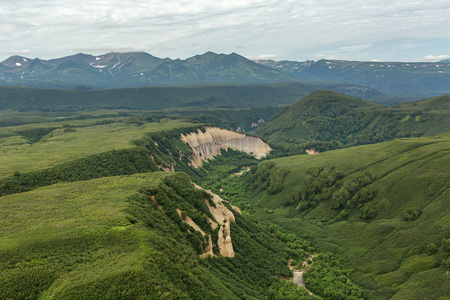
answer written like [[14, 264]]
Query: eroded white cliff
[[223, 218], [209, 143]]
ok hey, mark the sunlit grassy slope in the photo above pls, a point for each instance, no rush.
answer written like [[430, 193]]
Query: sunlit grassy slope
[[391, 256], [70, 239], [19, 154]]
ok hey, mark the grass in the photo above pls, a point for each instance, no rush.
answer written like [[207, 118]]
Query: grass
[[69, 235], [17, 154]]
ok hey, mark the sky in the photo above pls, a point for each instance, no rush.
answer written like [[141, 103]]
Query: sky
[[379, 30]]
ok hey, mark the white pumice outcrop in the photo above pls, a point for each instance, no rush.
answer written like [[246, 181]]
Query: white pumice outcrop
[[209, 143]]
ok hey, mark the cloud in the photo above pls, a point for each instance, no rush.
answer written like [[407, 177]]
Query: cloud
[[433, 58], [262, 57], [14, 52], [288, 29], [353, 48]]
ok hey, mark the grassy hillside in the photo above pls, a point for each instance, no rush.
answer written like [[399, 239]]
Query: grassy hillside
[[56, 145], [382, 209], [328, 120], [72, 228], [120, 237]]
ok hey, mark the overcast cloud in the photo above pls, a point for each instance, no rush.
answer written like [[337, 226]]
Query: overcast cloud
[[386, 30]]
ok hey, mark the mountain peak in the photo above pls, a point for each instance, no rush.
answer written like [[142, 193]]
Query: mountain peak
[[16, 61]]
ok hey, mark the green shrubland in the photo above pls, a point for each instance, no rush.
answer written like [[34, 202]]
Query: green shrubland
[[107, 238], [326, 120], [85, 212], [381, 210]]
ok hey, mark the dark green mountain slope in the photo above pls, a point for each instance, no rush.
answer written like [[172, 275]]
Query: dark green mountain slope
[[382, 209], [325, 120], [151, 98]]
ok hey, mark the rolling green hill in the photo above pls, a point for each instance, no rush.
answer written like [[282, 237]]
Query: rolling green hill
[[382, 209], [327, 120]]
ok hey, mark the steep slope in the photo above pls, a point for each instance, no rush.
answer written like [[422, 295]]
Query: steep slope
[[382, 209], [122, 237], [210, 142], [327, 120]]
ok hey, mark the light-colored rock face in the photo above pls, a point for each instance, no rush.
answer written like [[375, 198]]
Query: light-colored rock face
[[312, 151], [223, 218], [190, 222], [209, 143]]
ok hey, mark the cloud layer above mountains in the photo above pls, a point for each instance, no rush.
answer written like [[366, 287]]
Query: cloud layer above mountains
[[278, 29]]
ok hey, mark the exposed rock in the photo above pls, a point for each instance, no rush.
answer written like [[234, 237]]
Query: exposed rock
[[223, 218], [209, 143], [236, 209], [190, 222], [312, 151], [171, 168]]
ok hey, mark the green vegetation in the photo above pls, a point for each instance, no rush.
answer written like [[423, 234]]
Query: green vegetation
[[59, 147], [107, 237], [326, 120], [85, 212], [103, 250], [73, 229], [326, 278], [381, 209], [150, 98]]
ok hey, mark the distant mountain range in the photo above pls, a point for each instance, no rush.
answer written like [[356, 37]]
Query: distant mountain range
[[117, 70], [397, 79], [368, 80]]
